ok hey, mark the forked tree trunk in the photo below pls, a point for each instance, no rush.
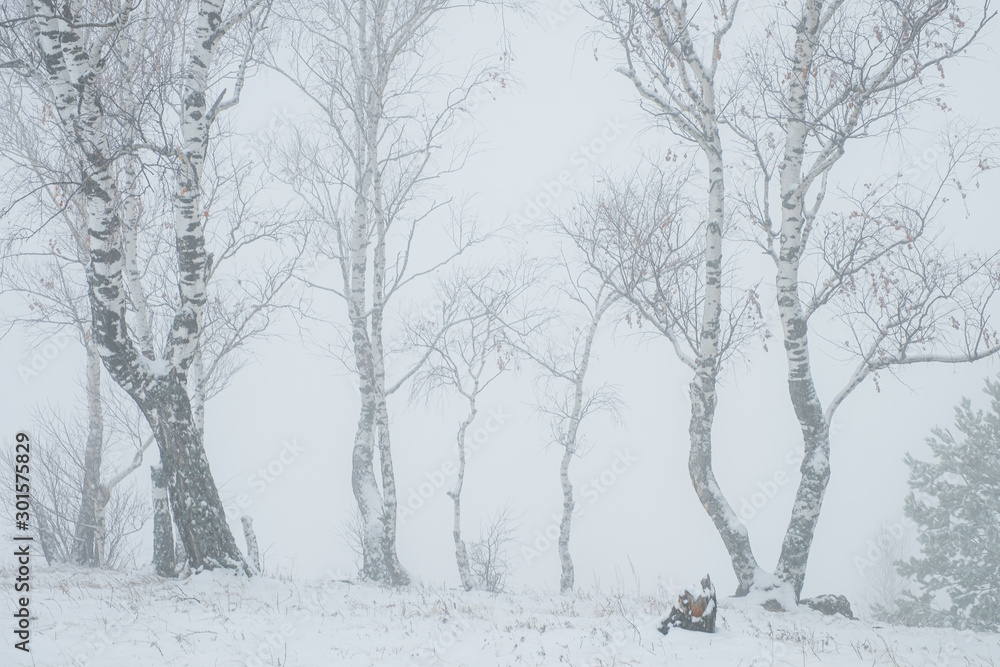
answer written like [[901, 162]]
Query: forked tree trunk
[[378, 507], [160, 393], [379, 563], [196, 506]]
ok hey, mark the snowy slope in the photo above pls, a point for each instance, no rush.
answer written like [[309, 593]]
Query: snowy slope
[[135, 620]]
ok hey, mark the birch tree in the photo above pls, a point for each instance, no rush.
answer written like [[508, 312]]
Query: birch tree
[[816, 78], [73, 62], [827, 75], [52, 285], [562, 348], [642, 236], [363, 164], [672, 56], [479, 312]]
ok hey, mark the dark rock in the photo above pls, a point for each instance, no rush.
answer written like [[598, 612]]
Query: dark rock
[[693, 611], [830, 605]]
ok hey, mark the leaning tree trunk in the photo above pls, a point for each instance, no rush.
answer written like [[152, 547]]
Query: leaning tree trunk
[[703, 387], [73, 76], [89, 519], [194, 497], [815, 468]]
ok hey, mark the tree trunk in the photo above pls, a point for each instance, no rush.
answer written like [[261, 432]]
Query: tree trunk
[[576, 414], [815, 469], [398, 575], [86, 550], [461, 555], [734, 534], [163, 530], [194, 498], [567, 576], [703, 386], [377, 507]]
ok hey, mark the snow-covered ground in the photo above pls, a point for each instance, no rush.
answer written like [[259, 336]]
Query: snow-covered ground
[[137, 620]]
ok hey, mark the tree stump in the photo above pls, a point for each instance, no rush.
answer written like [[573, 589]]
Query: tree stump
[[693, 610], [253, 551], [830, 605]]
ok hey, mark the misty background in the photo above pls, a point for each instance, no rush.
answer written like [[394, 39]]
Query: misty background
[[563, 108]]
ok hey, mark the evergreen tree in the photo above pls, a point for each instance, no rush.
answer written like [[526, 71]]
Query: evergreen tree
[[955, 502]]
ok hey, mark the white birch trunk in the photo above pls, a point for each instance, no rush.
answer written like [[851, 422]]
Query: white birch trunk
[[815, 468], [133, 276], [196, 389], [567, 577], [378, 507], [703, 387], [364, 482], [688, 99], [88, 540], [461, 555]]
